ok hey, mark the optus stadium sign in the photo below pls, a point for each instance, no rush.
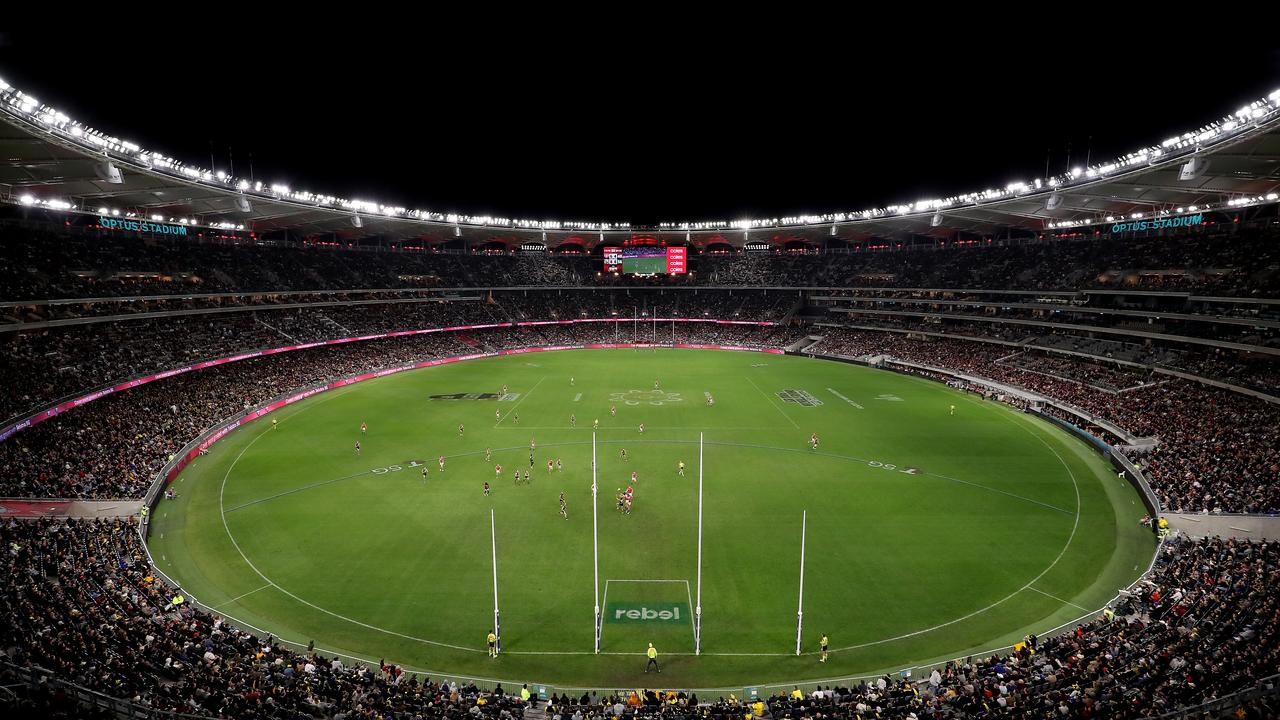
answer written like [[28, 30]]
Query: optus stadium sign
[[141, 226], [1158, 224]]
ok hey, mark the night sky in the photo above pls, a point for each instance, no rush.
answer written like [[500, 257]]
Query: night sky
[[641, 133]]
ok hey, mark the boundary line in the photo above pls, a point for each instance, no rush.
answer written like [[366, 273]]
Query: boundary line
[[1059, 557], [1074, 527], [222, 513], [446, 675]]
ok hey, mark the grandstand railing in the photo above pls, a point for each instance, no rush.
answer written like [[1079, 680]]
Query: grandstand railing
[[34, 677]]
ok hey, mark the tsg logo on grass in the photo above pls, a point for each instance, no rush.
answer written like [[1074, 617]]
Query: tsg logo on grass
[[626, 612]]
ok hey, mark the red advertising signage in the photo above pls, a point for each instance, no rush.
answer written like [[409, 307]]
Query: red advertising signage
[[676, 260]]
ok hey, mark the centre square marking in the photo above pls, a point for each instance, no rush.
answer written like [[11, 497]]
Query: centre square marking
[[799, 397], [645, 397], [675, 613]]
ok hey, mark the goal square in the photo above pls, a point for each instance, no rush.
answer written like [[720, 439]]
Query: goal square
[[637, 612]]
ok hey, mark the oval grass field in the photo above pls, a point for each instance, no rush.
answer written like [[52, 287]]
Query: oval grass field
[[930, 535]]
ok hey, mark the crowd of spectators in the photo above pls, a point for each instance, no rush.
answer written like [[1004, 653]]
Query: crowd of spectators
[[1218, 451], [47, 364], [84, 604], [42, 264], [1252, 370], [113, 447]]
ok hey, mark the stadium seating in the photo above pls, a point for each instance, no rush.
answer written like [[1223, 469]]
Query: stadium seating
[[88, 610], [1202, 625], [43, 264]]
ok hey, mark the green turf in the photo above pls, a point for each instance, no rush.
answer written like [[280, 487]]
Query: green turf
[[1004, 525]]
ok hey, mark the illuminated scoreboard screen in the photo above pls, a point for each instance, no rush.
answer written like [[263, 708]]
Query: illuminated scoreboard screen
[[646, 260]]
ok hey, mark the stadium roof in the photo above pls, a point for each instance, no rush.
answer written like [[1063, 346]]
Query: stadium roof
[[48, 159]]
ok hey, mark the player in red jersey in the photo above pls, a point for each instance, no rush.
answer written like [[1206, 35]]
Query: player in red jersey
[[550, 466], [634, 476], [364, 428], [441, 463], [497, 471], [813, 441]]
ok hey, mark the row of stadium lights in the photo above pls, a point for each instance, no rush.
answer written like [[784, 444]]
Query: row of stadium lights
[[55, 204], [56, 121], [1233, 203]]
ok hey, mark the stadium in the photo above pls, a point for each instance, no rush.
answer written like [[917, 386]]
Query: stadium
[[270, 452]]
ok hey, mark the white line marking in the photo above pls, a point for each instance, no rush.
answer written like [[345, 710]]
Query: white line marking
[[771, 402], [1074, 526], [222, 513], [1055, 597], [577, 397], [1002, 492], [244, 595], [692, 618], [835, 392], [521, 400]]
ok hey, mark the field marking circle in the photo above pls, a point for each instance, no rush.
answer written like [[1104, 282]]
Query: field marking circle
[[270, 582]]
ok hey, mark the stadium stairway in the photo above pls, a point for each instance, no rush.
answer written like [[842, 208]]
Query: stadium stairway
[[802, 343]]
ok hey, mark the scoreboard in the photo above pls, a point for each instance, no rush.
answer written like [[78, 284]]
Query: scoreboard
[[646, 260]]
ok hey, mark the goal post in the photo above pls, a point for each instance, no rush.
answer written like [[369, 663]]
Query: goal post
[[697, 609], [497, 619], [595, 541], [804, 526]]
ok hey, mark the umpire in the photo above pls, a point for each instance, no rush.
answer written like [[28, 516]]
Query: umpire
[[653, 659]]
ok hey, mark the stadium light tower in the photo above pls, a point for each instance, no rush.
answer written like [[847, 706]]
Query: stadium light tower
[[1193, 168], [108, 172]]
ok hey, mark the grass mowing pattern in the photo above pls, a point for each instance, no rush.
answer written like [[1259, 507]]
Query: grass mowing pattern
[[930, 535]]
